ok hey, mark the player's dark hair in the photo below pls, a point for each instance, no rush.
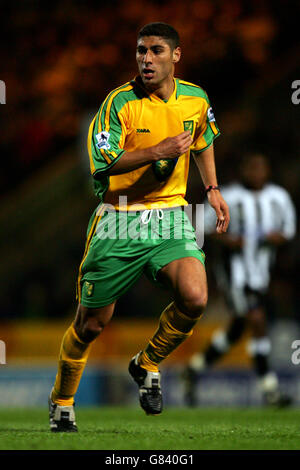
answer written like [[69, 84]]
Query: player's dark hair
[[162, 30]]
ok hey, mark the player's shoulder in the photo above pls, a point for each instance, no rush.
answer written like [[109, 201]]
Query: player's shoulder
[[234, 188], [233, 193], [123, 94], [120, 89], [190, 89], [276, 190]]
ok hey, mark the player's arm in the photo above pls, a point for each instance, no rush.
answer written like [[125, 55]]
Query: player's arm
[[171, 147], [106, 144], [205, 162], [232, 241], [275, 239], [203, 153]]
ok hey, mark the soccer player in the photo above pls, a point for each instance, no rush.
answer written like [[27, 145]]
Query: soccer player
[[262, 220], [139, 146]]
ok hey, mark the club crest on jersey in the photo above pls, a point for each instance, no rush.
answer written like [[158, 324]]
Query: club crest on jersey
[[210, 115], [102, 140], [164, 168], [189, 126]]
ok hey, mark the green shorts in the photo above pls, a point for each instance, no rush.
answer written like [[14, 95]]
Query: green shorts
[[121, 246]]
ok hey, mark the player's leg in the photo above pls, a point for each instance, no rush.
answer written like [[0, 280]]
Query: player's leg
[[75, 348], [177, 263], [74, 351], [186, 278], [259, 349], [221, 342], [260, 345]]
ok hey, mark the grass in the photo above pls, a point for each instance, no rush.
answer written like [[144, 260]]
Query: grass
[[117, 428]]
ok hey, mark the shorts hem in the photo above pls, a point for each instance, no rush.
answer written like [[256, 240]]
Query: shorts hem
[[96, 304], [178, 257]]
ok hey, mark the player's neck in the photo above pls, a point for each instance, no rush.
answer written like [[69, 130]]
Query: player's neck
[[165, 89], [253, 187]]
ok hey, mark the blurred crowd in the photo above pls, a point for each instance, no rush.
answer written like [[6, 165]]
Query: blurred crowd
[[60, 59]]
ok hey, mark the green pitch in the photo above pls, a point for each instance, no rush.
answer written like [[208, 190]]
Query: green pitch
[[119, 428]]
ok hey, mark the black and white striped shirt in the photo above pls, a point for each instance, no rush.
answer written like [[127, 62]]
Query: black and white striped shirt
[[253, 215]]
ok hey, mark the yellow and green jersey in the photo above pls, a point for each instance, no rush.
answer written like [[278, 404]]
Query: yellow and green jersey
[[129, 119]]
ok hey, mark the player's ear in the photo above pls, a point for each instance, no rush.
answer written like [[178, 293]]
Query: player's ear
[[176, 55]]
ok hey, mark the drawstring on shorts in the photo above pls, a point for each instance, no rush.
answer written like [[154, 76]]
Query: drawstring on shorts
[[147, 214]]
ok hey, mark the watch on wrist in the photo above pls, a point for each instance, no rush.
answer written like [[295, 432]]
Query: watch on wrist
[[210, 187]]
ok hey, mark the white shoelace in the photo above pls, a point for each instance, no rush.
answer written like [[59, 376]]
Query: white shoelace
[[147, 214]]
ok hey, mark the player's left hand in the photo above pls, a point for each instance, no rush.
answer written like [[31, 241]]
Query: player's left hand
[[221, 208]]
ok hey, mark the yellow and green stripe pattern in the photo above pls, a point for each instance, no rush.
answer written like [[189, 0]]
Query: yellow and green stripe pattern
[[97, 217], [209, 129], [116, 127], [109, 119]]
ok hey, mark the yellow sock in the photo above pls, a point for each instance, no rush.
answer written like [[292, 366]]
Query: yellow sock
[[174, 328], [72, 360]]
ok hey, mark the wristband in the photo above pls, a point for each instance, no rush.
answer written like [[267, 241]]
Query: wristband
[[209, 188]]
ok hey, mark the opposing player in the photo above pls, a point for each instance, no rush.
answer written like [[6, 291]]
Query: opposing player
[[262, 220], [139, 147]]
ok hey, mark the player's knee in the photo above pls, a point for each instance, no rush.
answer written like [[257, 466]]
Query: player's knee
[[194, 304], [257, 321], [256, 317], [90, 329], [236, 329]]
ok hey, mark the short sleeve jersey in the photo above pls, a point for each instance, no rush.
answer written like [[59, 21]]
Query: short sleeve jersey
[[129, 119]]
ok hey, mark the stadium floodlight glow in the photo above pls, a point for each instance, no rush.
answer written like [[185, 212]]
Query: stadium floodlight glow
[[2, 92]]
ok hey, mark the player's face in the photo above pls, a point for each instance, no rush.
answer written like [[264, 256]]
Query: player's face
[[256, 171], [155, 60]]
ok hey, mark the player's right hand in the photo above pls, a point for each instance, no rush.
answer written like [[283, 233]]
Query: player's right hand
[[173, 147], [221, 208]]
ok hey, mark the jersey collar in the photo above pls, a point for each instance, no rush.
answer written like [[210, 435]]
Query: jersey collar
[[152, 96]]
